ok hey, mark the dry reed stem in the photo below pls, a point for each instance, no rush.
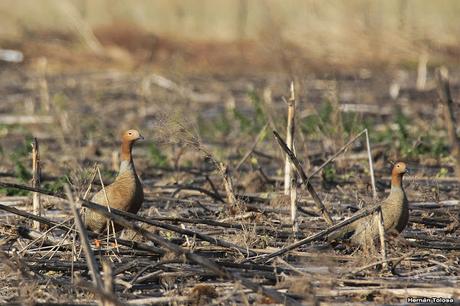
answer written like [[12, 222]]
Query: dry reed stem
[[371, 165], [36, 174], [290, 179], [290, 130], [305, 179], [293, 196], [380, 223], [91, 261]]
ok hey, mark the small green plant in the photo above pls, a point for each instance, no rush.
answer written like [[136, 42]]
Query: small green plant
[[157, 158], [212, 128], [222, 125], [442, 172], [55, 186], [354, 123], [319, 123], [259, 114], [329, 174], [19, 158], [252, 122]]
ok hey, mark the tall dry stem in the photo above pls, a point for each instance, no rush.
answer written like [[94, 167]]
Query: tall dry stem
[[289, 140], [36, 173], [90, 260], [380, 222]]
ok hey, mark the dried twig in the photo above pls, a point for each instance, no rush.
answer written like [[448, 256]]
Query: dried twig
[[290, 183], [36, 172], [290, 129], [293, 195], [84, 240], [305, 179], [320, 234], [336, 154], [380, 221]]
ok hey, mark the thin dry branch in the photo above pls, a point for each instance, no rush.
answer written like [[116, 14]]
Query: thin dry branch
[[380, 222], [336, 154], [305, 179], [290, 130], [91, 261], [319, 235], [36, 204]]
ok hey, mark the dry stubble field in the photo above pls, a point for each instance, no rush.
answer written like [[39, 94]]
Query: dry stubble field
[[196, 125]]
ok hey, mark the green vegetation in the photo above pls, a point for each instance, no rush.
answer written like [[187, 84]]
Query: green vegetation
[[20, 158], [329, 173], [412, 143], [55, 186], [157, 158], [253, 121], [318, 123], [248, 123]]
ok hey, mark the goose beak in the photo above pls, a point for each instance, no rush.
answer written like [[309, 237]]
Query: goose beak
[[141, 137]]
